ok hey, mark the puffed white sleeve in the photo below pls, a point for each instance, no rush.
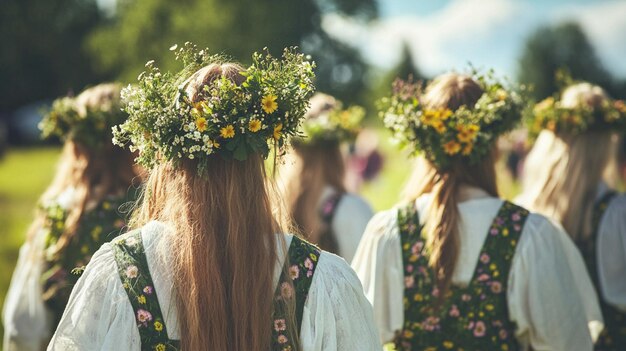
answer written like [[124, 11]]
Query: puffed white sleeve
[[612, 253], [337, 316], [550, 295], [350, 220], [27, 321], [98, 315], [378, 263]]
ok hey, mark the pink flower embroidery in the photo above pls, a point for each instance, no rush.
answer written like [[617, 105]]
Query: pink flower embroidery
[[410, 268], [484, 258], [483, 277], [454, 311], [417, 248], [294, 272], [308, 263], [479, 329], [280, 325], [282, 339], [496, 287], [148, 290], [494, 231], [466, 297], [516, 217], [286, 290], [143, 316], [132, 272], [503, 334], [409, 281], [309, 274]]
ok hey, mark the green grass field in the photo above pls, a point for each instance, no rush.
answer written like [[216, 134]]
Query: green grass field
[[25, 173]]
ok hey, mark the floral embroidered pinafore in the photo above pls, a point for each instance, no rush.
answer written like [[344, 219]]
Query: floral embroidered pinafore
[[294, 283], [97, 226], [474, 317], [328, 240], [613, 337]]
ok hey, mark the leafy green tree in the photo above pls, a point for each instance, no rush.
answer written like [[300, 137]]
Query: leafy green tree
[[551, 49], [42, 54], [144, 30]]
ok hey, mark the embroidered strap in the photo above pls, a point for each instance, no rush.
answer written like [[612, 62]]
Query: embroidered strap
[[327, 239], [133, 269], [303, 259], [475, 316], [137, 281]]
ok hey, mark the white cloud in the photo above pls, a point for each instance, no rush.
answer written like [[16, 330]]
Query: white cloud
[[486, 32]]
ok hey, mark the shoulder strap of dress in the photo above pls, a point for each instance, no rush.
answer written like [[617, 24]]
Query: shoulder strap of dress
[[329, 206], [409, 222], [303, 258], [133, 270], [599, 209]]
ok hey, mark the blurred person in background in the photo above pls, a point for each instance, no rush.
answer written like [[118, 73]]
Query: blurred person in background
[[209, 239], [565, 178], [455, 266], [314, 179], [78, 212]]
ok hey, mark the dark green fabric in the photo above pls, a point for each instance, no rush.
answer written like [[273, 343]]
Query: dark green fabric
[[62, 268], [613, 337], [474, 317], [137, 281]]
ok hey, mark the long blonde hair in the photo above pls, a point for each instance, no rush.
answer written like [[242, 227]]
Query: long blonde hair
[[442, 218], [223, 238], [94, 173], [314, 166], [562, 171]]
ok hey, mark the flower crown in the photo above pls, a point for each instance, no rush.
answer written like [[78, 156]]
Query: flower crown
[[89, 125], [550, 114], [231, 120], [331, 123], [443, 135]]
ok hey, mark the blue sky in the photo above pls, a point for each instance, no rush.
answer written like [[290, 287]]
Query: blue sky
[[446, 34]]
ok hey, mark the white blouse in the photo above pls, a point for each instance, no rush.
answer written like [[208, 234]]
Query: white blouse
[[550, 297], [27, 321], [611, 246], [349, 222], [337, 316]]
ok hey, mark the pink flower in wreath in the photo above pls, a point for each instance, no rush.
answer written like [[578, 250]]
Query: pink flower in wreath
[[484, 258], [282, 339], [480, 329], [280, 325], [286, 290], [143, 316], [496, 287], [132, 272], [294, 272]]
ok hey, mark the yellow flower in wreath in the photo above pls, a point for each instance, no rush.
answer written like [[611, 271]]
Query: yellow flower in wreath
[[467, 149], [439, 127], [467, 134], [429, 117], [278, 131], [269, 104], [254, 125], [201, 124], [227, 132], [451, 147], [445, 114]]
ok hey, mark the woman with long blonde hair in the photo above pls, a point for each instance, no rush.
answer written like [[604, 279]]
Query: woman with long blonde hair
[[567, 177], [208, 238], [455, 266], [314, 179], [79, 211]]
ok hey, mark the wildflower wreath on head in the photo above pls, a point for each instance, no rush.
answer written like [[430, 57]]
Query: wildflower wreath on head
[[550, 114], [232, 121], [443, 135], [90, 126], [332, 123]]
